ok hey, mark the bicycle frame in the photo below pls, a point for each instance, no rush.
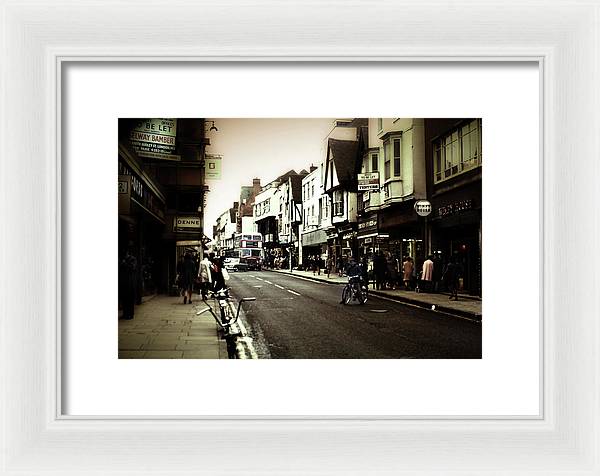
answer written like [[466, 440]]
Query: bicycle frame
[[223, 301]]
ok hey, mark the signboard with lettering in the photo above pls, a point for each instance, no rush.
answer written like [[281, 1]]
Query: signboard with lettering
[[455, 207], [212, 167], [155, 139], [368, 181], [189, 223], [139, 192], [124, 194], [423, 208]]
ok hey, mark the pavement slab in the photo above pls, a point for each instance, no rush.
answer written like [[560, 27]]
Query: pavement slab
[[164, 328]]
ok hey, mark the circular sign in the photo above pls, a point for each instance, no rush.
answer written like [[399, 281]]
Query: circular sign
[[423, 207]]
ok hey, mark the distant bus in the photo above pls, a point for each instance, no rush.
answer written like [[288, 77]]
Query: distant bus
[[246, 254]]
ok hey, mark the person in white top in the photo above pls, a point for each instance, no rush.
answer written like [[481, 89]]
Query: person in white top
[[205, 276], [427, 274]]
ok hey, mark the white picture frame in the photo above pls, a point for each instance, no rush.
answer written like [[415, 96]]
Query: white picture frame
[[562, 37]]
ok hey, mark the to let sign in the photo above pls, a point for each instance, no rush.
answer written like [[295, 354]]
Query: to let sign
[[423, 207], [155, 138], [368, 181]]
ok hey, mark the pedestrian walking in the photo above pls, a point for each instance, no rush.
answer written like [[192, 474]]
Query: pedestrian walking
[[329, 266], [128, 284], [188, 277], [218, 273], [205, 277], [451, 277], [392, 270], [437, 273], [407, 271], [379, 267], [427, 273]]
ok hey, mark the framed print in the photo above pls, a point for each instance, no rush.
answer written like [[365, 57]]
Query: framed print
[[82, 393]]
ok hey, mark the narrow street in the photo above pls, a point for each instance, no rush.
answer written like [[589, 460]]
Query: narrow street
[[294, 317]]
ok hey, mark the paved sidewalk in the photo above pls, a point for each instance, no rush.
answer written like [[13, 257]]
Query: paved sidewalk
[[466, 306], [165, 328]]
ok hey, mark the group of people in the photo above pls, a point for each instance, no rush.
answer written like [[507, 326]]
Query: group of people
[[210, 274], [390, 273]]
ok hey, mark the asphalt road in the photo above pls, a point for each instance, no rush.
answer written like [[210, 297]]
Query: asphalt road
[[303, 319]]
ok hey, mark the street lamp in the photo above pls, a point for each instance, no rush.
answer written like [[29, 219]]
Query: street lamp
[[212, 127]]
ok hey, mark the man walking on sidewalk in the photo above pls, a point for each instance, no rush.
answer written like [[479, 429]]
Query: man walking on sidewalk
[[205, 277]]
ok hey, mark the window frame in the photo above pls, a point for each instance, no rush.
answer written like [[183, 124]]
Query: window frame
[[441, 144]]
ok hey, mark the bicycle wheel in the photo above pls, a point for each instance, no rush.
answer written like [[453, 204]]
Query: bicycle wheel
[[363, 295], [346, 295]]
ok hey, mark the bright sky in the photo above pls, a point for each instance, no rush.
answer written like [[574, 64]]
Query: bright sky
[[259, 148]]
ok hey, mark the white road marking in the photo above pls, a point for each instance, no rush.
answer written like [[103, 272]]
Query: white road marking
[[260, 279], [268, 282], [293, 292], [257, 286], [277, 286], [249, 346], [312, 280], [437, 311]]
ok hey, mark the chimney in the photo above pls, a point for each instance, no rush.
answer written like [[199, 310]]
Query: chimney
[[255, 182], [312, 168]]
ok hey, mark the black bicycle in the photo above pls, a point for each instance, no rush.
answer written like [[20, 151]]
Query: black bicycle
[[355, 290], [222, 311]]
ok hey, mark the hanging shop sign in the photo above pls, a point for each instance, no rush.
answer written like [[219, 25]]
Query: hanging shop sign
[[155, 139], [189, 223], [423, 208], [455, 207], [349, 236], [368, 181], [368, 226], [212, 167]]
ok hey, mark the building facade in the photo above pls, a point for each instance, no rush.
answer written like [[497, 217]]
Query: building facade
[[161, 195], [316, 216], [454, 164], [388, 222], [344, 148]]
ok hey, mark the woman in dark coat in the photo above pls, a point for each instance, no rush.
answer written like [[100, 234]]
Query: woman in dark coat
[[188, 276]]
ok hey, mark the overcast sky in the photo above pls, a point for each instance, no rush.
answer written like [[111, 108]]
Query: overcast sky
[[259, 148]]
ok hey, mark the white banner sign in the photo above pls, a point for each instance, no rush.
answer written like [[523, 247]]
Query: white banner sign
[[368, 181]]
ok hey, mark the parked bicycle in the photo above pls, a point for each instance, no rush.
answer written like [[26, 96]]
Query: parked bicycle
[[355, 290], [222, 311]]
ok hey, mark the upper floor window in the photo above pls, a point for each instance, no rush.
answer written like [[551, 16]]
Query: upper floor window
[[379, 124], [457, 151], [338, 203], [392, 158], [374, 162]]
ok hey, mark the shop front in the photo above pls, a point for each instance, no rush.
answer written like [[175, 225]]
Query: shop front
[[314, 247], [141, 222], [406, 232], [456, 232]]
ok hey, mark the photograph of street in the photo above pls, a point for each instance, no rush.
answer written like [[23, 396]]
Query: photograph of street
[[300, 238]]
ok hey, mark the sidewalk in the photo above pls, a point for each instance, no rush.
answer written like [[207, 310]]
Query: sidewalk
[[466, 306], [165, 328]]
